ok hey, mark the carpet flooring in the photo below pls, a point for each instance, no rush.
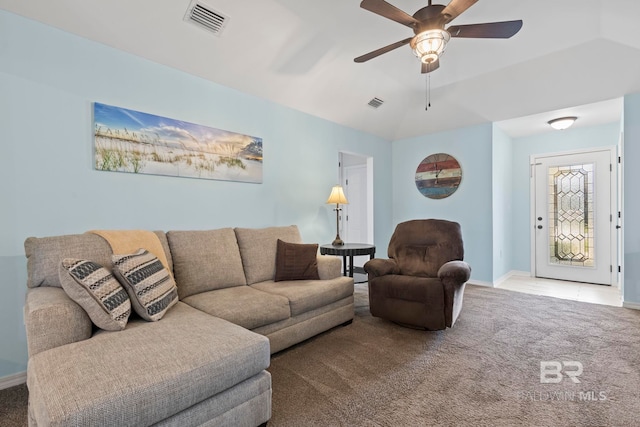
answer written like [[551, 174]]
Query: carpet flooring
[[485, 371], [13, 406]]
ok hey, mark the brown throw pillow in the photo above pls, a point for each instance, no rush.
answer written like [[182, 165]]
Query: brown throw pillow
[[296, 261]]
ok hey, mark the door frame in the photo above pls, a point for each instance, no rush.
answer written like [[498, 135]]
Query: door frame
[[620, 208], [368, 163], [613, 242]]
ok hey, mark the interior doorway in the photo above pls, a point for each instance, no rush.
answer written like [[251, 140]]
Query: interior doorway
[[573, 205], [356, 178]]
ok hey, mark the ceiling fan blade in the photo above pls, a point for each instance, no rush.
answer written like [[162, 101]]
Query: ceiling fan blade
[[382, 50], [455, 8], [491, 30], [427, 68], [382, 8]]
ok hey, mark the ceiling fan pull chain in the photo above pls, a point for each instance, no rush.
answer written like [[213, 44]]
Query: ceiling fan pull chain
[[429, 84], [428, 92]]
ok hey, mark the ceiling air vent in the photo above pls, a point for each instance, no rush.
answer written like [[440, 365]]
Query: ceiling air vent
[[205, 17], [376, 102]]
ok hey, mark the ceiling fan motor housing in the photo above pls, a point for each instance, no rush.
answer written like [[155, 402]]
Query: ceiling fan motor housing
[[430, 18]]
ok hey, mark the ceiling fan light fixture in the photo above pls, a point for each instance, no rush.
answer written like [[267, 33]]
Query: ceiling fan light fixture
[[430, 44], [562, 123]]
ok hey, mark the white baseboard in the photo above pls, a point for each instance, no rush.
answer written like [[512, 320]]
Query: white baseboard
[[633, 305], [13, 380], [499, 281], [510, 274], [480, 283]]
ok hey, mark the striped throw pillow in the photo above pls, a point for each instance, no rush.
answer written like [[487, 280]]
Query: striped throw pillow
[[95, 289], [150, 286]]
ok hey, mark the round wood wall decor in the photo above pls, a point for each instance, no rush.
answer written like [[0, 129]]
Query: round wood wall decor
[[438, 176]]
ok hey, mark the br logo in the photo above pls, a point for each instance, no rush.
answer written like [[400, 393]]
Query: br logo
[[553, 372]]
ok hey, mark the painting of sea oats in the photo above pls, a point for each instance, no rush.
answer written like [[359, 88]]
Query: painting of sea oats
[[135, 142]]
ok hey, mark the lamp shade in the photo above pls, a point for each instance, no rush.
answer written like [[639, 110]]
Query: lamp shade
[[337, 196]]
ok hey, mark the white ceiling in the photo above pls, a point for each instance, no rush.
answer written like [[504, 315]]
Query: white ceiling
[[299, 53]]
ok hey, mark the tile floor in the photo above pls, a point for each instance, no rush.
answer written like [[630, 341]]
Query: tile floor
[[586, 292]]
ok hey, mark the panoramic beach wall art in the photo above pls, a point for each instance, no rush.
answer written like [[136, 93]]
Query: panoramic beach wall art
[[135, 142]]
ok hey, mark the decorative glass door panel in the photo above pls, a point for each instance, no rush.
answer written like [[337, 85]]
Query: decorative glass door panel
[[572, 236], [571, 219]]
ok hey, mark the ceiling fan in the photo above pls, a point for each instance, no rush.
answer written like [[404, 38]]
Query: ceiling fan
[[428, 25]]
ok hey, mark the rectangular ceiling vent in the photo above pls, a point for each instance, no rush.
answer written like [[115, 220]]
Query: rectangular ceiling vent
[[205, 17], [376, 102]]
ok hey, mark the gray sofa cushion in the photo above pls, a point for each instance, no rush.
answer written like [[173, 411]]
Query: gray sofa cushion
[[205, 260], [242, 305], [306, 295], [97, 291], [195, 356], [258, 250], [44, 255]]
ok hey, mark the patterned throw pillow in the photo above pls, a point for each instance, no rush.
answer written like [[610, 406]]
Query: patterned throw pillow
[[97, 292], [150, 286], [296, 261]]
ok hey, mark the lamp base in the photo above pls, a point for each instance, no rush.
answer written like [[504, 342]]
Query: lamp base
[[338, 241]]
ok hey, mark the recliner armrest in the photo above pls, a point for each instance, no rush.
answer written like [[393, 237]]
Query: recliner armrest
[[456, 271], [381, 267]]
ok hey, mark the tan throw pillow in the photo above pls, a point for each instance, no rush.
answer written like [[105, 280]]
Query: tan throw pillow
[[296, 261], [150, 286], [97, 292]]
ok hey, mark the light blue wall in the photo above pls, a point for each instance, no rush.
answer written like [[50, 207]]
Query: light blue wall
[[470, 205], [48, 80], [502, 203], [552, 142], [631, 227]]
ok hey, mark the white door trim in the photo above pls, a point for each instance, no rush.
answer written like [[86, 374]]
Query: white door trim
[[368, 161], [533, 160]]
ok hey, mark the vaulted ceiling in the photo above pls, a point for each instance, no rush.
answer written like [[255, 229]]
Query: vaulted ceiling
[[299, 53]]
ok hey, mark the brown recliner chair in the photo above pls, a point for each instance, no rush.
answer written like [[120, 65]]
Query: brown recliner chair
[[422, 282]]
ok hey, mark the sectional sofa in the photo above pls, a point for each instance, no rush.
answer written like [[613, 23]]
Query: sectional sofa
[[204, 361]]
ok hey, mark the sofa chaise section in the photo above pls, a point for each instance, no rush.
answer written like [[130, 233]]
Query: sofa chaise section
[[187, 369], [153, 371]]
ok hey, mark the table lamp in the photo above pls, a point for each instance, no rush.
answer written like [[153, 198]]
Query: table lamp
[[337, 197]]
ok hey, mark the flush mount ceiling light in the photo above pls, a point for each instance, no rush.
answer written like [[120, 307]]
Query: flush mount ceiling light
[[562, 123], [429, 45]]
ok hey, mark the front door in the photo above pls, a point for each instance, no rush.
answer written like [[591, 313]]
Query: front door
[[573, 217]]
